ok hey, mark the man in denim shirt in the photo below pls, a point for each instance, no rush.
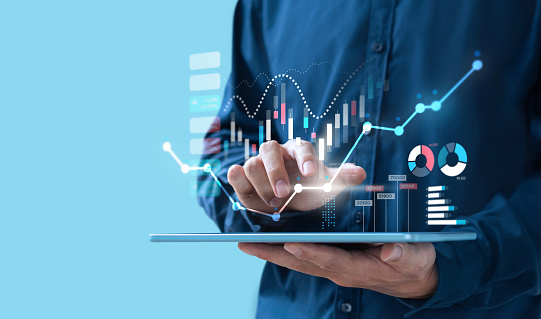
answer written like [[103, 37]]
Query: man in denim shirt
[[422, 48]]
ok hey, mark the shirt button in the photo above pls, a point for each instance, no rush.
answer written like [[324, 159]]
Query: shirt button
[[377, 47], [346, 307], [358, 217]]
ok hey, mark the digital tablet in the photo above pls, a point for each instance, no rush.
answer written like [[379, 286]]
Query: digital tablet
[[349, 237]]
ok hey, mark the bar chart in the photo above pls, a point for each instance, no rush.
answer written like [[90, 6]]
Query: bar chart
[[439, 208]]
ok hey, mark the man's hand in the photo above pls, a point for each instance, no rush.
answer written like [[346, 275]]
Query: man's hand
[[399, 269], [266, 181]]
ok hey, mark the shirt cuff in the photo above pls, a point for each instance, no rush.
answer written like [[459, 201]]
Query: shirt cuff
[[458, 276]]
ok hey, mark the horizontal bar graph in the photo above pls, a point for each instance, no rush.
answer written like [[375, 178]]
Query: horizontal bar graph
[[441, 208], [447, 222], [438, 201], [438, 215], [438, 208], [436, 188]]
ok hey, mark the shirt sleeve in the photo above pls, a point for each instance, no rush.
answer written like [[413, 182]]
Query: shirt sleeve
[[504, 262]]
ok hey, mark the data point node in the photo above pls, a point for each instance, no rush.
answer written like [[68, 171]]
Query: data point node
[[166, 146], [184, 168], [435, 106], [236, 206], [367, 127], [399, 130], [327, 187], [420, 108], [276, 217], [207, 168], [477, 65], [297, 188]]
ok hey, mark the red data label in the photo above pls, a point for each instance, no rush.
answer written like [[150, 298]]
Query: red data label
[[408, 185]]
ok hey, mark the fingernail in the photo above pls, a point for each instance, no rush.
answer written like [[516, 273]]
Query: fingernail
[[275, 202], [395, 254], [294, 250], [308, 168], [247, 251], [282, 189]]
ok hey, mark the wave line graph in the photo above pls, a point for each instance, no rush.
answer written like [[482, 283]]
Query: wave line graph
[[285, 75], [314, 64], [327, 187]]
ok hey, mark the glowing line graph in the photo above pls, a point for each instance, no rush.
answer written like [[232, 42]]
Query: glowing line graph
[[327, 187], [207, 168]]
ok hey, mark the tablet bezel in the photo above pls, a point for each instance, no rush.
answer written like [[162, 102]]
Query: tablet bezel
[[335, 237]]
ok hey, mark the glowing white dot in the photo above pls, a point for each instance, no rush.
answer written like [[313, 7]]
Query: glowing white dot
[[184, 168], [367, 127], [207, 168], [327, 187], [166, 146], [298, 188]]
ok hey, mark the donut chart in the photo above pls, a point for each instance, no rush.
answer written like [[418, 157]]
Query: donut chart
[[452, 169], [418, 154]]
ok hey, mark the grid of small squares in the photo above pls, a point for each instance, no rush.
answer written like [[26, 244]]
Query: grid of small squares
[[328, 213]]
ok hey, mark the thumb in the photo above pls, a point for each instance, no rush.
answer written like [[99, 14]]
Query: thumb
[[408, 255], [348, 175], [392, 253]]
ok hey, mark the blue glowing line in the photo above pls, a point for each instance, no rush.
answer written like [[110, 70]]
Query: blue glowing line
[[409, 119], [473, 69], [352, 148], [382, 128], [221, 186], [347, 156], [456, 85]]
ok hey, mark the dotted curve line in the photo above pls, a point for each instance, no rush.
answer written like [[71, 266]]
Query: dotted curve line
[[288, 70], [287, 76]]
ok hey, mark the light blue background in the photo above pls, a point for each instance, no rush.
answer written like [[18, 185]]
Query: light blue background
[[88, 93]]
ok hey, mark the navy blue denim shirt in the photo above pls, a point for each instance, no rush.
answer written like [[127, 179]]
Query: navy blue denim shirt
[[422, 48]]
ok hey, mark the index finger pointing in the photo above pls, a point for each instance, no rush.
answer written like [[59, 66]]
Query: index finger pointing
[[305, 155], [273, 160]]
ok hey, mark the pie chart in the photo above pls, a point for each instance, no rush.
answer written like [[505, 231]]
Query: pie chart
[[421, 160], [452, 159]]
